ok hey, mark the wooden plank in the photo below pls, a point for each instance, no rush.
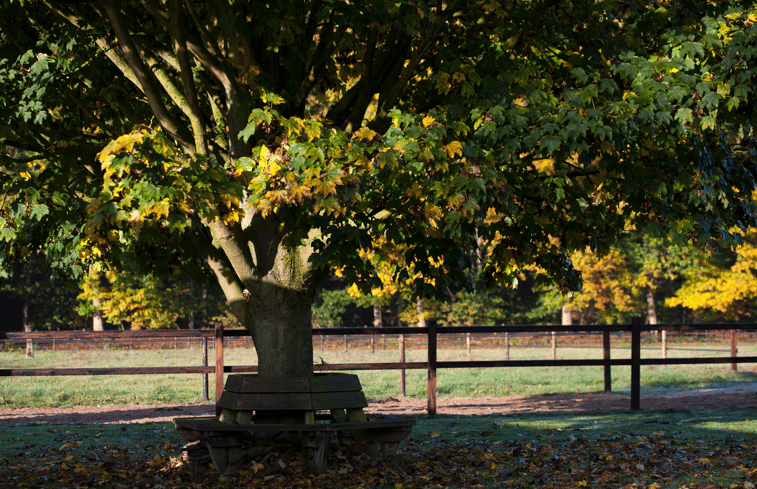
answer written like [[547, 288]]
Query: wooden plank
[[274, 402], [211, 424], [335, 382], [233, 383], [228, 400], [252, 383], [325, 401]]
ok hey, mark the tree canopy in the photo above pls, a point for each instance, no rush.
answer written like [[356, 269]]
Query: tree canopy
[[271, 142]]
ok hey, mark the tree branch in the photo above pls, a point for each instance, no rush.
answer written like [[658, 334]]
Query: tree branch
[[412, 65], [146, 81], [236, 252], [187, 78], [365, 83], [232, 289]]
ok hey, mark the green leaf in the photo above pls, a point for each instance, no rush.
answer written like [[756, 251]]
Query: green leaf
[[684, 116], [550, 143], [38, 211]]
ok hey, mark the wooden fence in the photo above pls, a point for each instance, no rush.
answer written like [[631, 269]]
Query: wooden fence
[[430, 333]]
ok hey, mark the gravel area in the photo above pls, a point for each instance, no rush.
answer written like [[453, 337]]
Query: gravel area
[[728, 397]]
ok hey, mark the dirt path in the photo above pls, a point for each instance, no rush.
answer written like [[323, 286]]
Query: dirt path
[[144, 413]]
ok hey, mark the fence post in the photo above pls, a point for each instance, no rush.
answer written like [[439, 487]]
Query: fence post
[[606, 357], [665, 344], [507, 346], [219, 365], [734, 350], [431, 324], [635, 363], [554, 346], [467, 344], [205, 394], [402, 360]]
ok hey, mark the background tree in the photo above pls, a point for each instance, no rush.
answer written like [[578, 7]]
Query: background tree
[[148, 301], [606, 294], [269, 143], [724, 284], [47, 303]]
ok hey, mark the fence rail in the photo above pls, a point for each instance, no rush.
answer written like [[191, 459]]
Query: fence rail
[[430, 334]]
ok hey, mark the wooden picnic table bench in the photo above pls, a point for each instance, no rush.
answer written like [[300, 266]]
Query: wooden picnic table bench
[[323, 408], [226, 442]]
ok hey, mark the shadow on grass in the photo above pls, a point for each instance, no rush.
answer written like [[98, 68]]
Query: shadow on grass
[[669, 448]]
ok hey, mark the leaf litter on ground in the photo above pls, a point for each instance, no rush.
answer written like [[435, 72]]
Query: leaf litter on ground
[[656, 449]]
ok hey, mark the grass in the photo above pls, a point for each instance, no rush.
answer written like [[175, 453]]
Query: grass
[[473, 382]]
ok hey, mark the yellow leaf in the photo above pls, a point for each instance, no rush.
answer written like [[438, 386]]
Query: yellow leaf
[[354, 291], [364, 134], [428, 120], [454, 148]]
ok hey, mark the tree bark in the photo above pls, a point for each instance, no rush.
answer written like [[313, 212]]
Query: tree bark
[[97, 316], [421, 316], [652, 310], [377, 320], [279, 321], [27, 325]]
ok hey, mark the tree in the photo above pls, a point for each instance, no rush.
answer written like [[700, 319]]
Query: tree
[[47, 302], [272, 142], [606, 291], [726, 288], [145, 300]]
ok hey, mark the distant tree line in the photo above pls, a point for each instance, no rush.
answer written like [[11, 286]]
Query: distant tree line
[[641, 276]]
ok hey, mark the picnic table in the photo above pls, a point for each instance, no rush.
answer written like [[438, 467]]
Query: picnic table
[[322, 409]]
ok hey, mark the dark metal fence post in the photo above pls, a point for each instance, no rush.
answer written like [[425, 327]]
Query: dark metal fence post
[[635, 363], [403, 390], [431, 367], [205, 394], [606, 357], [734, 350], [219, 365]]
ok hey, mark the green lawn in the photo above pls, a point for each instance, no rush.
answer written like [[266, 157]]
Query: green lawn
[[473, 382]]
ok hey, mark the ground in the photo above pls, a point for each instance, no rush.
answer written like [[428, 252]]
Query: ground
[[741, 396]]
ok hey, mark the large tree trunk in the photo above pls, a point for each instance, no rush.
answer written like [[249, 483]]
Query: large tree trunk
[[279, 321]]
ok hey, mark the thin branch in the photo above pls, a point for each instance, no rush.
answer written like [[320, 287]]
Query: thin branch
[[85, 110], [187, 78], [204, 34], [146, 81], [365, 83], [412, 65], [232, 288]]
